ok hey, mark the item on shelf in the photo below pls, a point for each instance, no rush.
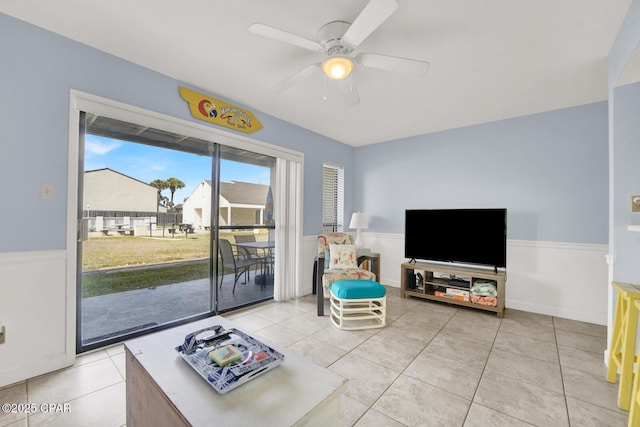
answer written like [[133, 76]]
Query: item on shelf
[[484, 287], [484, 300], [459, 282], [451, 293], [256, 357], [459, 292], [432, 289], [411, 282]]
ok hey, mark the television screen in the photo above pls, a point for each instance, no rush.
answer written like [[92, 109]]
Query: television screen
[[474, 236]]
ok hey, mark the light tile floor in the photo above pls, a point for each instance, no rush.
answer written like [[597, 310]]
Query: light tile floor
[[433, 365]]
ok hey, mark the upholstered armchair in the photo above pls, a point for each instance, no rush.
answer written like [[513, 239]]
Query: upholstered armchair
[[337, 260]]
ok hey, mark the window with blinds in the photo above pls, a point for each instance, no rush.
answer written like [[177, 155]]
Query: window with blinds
[[332, 198]]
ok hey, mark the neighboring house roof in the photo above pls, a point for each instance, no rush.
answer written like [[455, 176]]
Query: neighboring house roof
[[119, 173], [243, 193]]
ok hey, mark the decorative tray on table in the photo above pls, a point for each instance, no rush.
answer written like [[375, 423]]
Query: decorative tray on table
[[247, 359]]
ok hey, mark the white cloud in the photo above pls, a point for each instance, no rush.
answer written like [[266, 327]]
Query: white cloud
[[156, 167], [100, 147]]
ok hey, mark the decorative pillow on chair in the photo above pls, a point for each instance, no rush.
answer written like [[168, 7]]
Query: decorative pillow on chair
[[327, 259], [342, 256]]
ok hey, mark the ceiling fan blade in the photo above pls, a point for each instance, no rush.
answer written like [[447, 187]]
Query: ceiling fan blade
[[371, 17], [283, 36], [297, 77], [392, 63], [348, 91]]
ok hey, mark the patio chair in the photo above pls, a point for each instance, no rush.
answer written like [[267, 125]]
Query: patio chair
[[248, 252], [230, 261], [265, 256]]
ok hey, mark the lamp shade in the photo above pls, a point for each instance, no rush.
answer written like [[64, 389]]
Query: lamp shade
[[359, 221]]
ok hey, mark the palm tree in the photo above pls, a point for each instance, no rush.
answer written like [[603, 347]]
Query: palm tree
[[174, 184], [160, 184]]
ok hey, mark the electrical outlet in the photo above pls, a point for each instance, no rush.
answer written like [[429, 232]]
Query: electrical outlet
[[2, 334], [635, 203]]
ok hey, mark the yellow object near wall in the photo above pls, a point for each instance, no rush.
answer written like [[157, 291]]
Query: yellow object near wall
[[213, 110], [623, 342]]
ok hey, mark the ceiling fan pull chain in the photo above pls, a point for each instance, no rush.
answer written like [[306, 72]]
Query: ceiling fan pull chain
[[324, 88]]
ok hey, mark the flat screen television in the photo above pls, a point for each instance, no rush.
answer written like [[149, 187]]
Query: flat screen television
[[467, 236]]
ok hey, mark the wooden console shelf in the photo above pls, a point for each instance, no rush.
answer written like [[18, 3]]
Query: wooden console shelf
[[437, 285]]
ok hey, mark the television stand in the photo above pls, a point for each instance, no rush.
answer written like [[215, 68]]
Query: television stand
[[446, 283]]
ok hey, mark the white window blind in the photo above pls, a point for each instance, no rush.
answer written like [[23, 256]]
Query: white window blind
[[332, 198]]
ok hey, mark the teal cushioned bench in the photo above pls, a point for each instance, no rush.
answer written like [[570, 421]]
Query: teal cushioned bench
[[358, 304], [358, 289]]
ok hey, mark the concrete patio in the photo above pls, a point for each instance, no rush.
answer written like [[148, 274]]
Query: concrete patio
[[111, 315]]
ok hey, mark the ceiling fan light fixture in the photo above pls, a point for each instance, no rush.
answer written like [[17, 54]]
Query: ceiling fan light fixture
[[338, 67]]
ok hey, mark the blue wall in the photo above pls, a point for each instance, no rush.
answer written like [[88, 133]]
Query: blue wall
[[627, 181], [550, 171], [624, 140], [37, 70], [626, 177]]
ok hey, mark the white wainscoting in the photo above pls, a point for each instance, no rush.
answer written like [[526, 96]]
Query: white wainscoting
[[567, 280], [560, 279], [33, 308]]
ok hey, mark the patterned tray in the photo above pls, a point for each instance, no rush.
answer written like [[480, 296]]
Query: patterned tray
[[257, 357]]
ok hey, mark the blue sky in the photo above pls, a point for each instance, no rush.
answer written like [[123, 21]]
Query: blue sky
[[147, 163]]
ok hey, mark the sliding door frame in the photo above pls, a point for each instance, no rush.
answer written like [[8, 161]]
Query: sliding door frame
[[288, 210]]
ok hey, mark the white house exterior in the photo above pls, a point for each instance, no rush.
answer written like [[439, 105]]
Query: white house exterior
[[196, 209], [240, 203]]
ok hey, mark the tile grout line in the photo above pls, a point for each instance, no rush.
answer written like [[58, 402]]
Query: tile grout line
[[564, 389], [27, 382], [493, 342], [483, 370], [400, 373]]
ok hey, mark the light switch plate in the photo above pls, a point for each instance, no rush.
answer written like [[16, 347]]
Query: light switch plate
[[635, 203], [46, 192]]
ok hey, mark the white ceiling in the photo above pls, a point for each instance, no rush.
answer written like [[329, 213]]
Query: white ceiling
[[490, 59], [631, 71]]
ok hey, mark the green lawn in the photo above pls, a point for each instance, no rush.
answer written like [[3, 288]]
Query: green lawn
[[140, 278], [117, 264]]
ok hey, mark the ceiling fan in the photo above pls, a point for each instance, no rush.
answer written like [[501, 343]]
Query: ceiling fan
[[337, 40]]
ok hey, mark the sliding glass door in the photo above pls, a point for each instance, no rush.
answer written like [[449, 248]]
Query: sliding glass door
[[171, 229], [245, 224]]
